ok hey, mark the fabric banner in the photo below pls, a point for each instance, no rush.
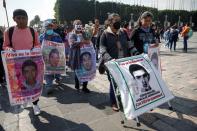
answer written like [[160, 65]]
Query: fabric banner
[[87, 70], [140, 84], [54, 57], [24, 71], [154, 55]]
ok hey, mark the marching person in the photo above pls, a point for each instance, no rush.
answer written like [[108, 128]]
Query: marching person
[[21, 37], [50, 35], [143, 35], [76, 40], [95, 32], [184, 34], [113, 45], [174, 35]]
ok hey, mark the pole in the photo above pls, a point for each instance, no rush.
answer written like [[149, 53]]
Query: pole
[[95, 9], [4, 5]]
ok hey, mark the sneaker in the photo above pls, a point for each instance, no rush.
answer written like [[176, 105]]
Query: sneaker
[[36, 110], [86, 90]]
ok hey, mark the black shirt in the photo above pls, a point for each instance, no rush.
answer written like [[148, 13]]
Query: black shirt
[[141, 36]]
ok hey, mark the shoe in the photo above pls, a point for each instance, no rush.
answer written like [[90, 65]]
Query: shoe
[[114, 107], [86, 90], [77, 87], [36, 110]]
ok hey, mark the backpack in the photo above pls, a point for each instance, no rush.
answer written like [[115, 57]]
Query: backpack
[[10, 33], [190, 33]]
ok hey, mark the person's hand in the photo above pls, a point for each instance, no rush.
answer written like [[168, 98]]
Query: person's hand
[[136, 53], [10, 49], [34, 49]]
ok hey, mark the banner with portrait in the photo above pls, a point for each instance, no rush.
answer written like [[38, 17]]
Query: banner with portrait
[[154, 55], [140, 84], [24, 71], [87, 70], [54, 57]]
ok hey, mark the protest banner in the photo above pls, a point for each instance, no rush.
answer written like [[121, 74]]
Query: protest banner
[[54, 57], [24, 71], [87, 70], [154, 55], [140, 84]]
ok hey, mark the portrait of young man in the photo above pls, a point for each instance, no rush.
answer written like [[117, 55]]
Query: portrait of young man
[[86, 60], [54, 57], [141, 76], [29, 72]]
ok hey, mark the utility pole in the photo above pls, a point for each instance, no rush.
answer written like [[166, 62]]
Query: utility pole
[[95, 13], [4, 5]]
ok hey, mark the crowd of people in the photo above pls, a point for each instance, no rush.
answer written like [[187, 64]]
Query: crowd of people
[[113, 40]]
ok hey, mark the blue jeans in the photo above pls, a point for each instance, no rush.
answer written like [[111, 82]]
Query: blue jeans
[[111, 90], [49, 79], [185, 38], [112, 95]]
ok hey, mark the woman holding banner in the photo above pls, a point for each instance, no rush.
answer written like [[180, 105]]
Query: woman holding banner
[[50, 35], [143, 35], [76, 41], [113, 45]]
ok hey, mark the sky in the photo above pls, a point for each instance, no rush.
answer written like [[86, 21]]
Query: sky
[[44, 8]]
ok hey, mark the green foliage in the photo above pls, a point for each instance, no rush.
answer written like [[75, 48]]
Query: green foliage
[[69, 10]]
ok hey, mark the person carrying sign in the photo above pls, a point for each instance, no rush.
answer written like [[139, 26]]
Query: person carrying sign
[[76, 40], [113, 45], [21, 37], [54, 57], [143, 35]]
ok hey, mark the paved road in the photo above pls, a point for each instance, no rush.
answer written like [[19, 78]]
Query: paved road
[[69, 110]]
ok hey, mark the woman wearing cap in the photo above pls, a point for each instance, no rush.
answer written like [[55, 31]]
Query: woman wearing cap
[[143, 35], [50, 35], [76, 40]]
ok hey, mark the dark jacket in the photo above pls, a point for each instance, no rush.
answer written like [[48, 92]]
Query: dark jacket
[[108, 44], [74, 61], [174, 34], [139, 36]]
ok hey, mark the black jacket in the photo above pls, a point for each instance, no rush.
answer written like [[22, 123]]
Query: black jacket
[[108, 44], [139, 37]]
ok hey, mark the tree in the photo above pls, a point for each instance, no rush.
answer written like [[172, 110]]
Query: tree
[[69, 10], [35, 22]]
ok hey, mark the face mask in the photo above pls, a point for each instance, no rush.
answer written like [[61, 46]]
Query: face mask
[[116, 25], [49, 32], [78, 27]]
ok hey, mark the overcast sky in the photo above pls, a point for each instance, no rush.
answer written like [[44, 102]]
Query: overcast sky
[[44, 8]]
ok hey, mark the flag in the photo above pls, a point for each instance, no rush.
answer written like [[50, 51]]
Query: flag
[[4, 4]]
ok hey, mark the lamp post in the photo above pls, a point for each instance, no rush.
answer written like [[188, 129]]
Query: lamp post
[[131, 20], [95, 9], [166, 22]]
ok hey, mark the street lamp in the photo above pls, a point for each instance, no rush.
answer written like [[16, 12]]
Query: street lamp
[[166, 22], [131, 20], [95, 9]]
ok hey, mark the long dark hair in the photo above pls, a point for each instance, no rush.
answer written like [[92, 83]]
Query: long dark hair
[[144, 15]]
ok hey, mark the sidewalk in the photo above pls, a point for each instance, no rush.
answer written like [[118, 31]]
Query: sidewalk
[[69, 110]]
